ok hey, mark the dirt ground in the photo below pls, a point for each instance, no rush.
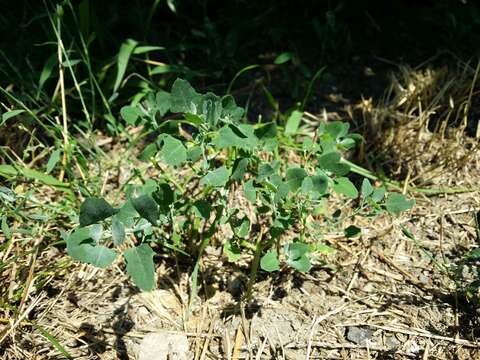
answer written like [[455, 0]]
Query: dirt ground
[[389, 294]]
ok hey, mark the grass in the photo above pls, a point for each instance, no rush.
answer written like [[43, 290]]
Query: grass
[[69, 142]]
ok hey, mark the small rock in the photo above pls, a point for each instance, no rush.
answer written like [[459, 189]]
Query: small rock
[[359, 335], [163, 345], [392, 342]]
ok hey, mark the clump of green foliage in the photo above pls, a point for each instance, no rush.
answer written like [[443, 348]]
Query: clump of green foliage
[[206, 154]]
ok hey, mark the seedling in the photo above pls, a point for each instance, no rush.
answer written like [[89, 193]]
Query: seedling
[[217, 154]]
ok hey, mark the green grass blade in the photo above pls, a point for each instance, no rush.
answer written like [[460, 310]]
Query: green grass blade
[[55, 343]]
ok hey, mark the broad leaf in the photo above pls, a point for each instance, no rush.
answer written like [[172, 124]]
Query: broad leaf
[[184, 98], [269, 262], [232, 251], [130, 114], [345, 186], [293, 122], [118, 231], [250, 192], [397, 203], [147, 208], [216, 178], [294, 178], [330, 161], [81, 247], [140, 266], [163, 100], [367, 188], [378, 194], [297, 256], [173, 151], [94, 210], [202, 209]]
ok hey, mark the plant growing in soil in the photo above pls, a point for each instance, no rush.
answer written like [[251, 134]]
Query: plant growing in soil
[[207, 156]]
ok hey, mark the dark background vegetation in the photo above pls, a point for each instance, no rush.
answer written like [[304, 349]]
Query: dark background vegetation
[[208, 42]]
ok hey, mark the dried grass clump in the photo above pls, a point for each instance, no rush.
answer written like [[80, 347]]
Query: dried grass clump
[[427, 125]]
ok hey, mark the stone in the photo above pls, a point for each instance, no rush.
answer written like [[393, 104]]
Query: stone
[[359, 335], [163, 345]]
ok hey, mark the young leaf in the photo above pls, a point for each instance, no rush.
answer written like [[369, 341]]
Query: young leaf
[[367, 188], [216, 178], [94, 210], [345, 186], [147, 208], [239, 168], [297, 256], [250, 192], [242, 228], [397, 203], [294, 178], [293, 122], [211, 108], [232, 251], [118, 231], [140, 266], [173, 151], [269, 262]]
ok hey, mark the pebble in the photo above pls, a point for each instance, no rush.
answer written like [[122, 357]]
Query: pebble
[[163, 345], [359, 335]]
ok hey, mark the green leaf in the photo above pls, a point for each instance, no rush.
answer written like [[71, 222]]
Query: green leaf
[[144, 49], [202, 209], [293, 122], [149, 152], [122, 61], [297, 256], [47, 71], [236, 136], [269, 262], [250, 192], [140, 266], [232, 251], [94, 210], [164, 196], [397, 203], [301, 264], [10, 171], [352, 231], [194, 153], [283, 58], [53, 160], [239, 168], [173, 151], [82, 248], [294, 178], [345, 186], [216, 178], [230, 111], [211, 108], [10, 114], [241, 227], [118, 231], [330, 161], [163, 100], [7, 232], [378, 194], [130, 114], [264, 171], [147, 208], [367, 188], [184, 98], [316, 185]]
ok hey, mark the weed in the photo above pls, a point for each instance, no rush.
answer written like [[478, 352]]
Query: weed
[[210, 154]]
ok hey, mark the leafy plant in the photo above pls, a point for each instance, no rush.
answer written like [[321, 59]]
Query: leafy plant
[[205, 154]]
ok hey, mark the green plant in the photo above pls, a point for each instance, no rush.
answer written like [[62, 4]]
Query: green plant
[[206, 155]]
